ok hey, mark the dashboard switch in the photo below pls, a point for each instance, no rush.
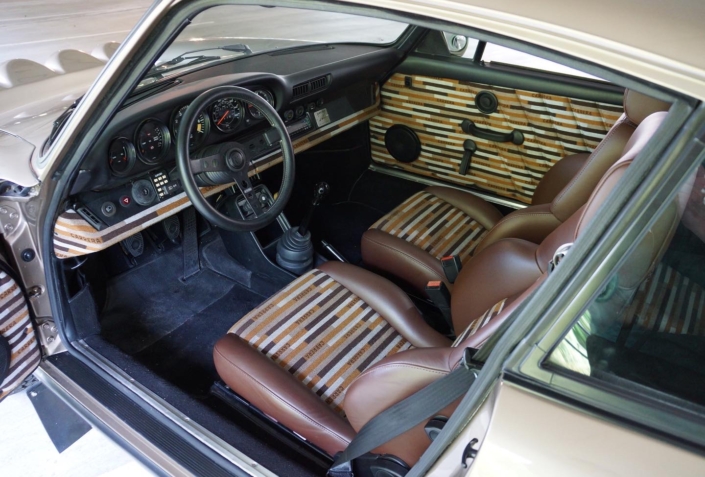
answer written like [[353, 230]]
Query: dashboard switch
[[108, 209], [125, 200]]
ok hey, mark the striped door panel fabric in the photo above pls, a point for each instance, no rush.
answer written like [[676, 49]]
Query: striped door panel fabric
[[668, 302], [478, 323], [16, 328], [320, 332], [553, 127], [433, 225]]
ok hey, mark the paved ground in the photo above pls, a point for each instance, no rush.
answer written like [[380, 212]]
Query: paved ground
[[31, 453], [35, 29]]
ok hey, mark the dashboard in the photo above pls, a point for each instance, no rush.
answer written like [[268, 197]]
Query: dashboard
[[130, 174]]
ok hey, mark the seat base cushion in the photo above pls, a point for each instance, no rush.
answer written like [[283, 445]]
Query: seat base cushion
[[294, 356], [409, 241]]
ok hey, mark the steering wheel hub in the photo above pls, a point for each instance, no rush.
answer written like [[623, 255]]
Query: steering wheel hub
[[235, 160]]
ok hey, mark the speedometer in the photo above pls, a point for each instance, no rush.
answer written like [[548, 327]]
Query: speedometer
[[226, 114], [200, 129], [153, 141], [267, 96]]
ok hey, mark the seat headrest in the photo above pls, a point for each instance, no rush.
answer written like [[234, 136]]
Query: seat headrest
[[638, 107]]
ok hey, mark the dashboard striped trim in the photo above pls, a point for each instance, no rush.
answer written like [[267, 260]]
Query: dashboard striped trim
[[74, 236]]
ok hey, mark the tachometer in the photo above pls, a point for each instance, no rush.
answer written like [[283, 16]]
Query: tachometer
[[268, 97], [121, 156], [226, 114], [153, 141], [200, 129]]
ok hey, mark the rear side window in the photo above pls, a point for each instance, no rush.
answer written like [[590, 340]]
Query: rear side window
[[647, 325]]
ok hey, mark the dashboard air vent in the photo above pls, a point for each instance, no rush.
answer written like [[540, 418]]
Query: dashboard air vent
[[317, 84]]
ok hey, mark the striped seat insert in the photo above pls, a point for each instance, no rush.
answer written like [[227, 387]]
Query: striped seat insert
[[320, 332], [478, 323], [433, 225]]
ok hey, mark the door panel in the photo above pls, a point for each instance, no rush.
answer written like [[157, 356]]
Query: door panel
[[17, 336], [553, 126]]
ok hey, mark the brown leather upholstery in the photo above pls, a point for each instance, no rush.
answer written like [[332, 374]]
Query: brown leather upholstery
[[508, 271], [562, 191]]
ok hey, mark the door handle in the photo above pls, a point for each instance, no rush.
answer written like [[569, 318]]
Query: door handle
[[469, 127], [469, 148]]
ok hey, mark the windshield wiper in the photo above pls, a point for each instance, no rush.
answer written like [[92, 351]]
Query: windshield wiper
[[178, 62]]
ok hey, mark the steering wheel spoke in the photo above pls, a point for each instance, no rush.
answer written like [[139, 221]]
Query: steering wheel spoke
[[244, 184], [212, 163]]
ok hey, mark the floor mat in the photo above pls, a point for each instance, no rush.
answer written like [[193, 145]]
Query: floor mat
[[149, 302], [185, 356]]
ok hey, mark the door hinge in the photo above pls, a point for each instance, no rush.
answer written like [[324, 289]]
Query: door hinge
[[49, 338]]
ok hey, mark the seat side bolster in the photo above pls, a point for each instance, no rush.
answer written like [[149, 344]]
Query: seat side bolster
[[402, 259], [502, 270], [390, 381], [479, 209], [578, 190], [275, 392], [388, 300], [532, 224]]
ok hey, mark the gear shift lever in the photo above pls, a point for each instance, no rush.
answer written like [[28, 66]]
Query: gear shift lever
[[295, 250], [322, 189]]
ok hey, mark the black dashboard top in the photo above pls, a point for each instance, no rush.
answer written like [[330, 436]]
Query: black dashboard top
[[141, 136]]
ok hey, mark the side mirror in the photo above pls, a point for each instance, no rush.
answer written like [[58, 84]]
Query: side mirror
[[457, 44]]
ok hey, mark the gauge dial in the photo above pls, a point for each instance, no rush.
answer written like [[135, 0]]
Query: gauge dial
[[226, 114], [256, 113], [153, 141], [121, 156], [200, 130]]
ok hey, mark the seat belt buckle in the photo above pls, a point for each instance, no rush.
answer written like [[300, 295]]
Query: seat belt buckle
[[451, 267], [466, 360], [343, 469], [439, 294]]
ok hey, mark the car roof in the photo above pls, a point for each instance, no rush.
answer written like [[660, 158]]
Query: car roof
[[650, 39]]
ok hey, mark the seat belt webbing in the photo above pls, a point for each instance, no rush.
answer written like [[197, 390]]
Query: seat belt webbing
[[405, 415]]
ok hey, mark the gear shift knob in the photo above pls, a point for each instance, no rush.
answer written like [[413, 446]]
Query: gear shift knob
[[322, 189]]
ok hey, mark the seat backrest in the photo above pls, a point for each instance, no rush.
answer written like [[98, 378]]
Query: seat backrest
[[568, 184]]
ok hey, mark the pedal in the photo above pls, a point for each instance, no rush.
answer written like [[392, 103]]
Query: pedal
[[172, 228], [134, 245]]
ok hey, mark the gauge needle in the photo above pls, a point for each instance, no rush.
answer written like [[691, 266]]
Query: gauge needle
[[222, 117]]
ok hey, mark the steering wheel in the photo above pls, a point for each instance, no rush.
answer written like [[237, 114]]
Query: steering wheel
[[229, 162]]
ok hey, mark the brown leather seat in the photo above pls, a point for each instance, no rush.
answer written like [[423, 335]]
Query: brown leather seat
[[410, 240], [341, 344]]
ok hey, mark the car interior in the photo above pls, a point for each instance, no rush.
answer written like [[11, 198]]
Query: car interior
[[394, 204]]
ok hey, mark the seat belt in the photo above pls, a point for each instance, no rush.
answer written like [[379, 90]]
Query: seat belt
[[407, 414]]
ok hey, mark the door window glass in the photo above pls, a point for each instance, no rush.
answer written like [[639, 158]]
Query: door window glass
[[647, 325]]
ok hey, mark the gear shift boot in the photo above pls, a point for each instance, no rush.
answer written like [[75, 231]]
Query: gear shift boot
[[295, 252], [295, 249]]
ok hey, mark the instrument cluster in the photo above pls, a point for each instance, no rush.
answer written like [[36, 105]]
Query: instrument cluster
[[153, 138]]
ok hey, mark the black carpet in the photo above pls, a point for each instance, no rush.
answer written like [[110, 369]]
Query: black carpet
[[343, 223], [149, 302], [185, 356]]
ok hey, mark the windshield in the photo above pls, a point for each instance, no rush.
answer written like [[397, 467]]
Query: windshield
[[240, 30]]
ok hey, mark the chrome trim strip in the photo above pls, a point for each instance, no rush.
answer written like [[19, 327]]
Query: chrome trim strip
[[100, 417], [182, 420], [513, 204]]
